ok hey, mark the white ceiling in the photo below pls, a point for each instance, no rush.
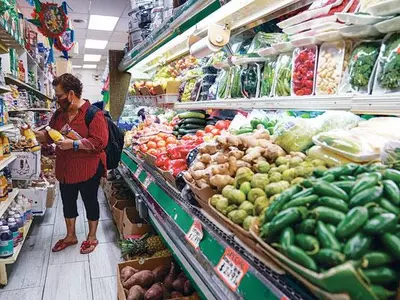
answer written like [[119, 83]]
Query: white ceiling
[[81, 9]]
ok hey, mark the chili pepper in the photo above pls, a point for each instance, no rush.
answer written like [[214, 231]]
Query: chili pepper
[[357, 246], [391, 191], [334, 203], [280, 201], [381, 224], [344, 170], [319, 173], [386, 204], [331, 227], [330, 258], [363, 184], [392, 243], [354, 220], [344, 185], [323, 188], [326, 238], [303, 193], [375, 259], [376, 210], [287, 237], [308, 243], [307, 226], [347, 177], [302, 201], [264, 230], [299, 256], [380, 275], [286, 218], [308, 183], [328, 215], [381, 293], [328, 178], [360, 169], [392, 174], [366, 196]]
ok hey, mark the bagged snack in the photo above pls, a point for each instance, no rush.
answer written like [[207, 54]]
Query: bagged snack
[[267, 78], [387, 79], [330, 66], [281, 86], [304, 65]]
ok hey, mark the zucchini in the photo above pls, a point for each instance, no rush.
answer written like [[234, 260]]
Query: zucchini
[[192, 126], [194, 121], [183, 131], [191, 114]]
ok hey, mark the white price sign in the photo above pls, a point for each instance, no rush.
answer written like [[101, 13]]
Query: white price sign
[[231, 268], [138, 171], [195, 234], [149, 179]]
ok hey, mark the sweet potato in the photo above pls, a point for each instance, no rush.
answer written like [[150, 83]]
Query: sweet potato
[[136, 293], [160, 272], [126, 292], [127, 272], [176, 294], [187, 288], [170, 277], [143, 278], [155, 292], [166, 293], [178, 284]]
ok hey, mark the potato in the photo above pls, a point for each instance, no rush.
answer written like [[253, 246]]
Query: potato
[[127, 272], [143, 278], [188, 288], [197, 175], [136, 293], [170, 277], [161, 272], [155, 292]]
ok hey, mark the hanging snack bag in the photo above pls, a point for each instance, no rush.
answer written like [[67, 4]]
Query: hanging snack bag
[[267, 78], [387, 79], [282, 81]]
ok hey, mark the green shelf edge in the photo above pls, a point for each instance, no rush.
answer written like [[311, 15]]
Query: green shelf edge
[[250, 287]]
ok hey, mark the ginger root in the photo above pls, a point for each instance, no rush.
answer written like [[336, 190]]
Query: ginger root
[[188, 177], [220, 158], [205, 158], [220, 181], [236, 153], [232, 165], [198, 166]]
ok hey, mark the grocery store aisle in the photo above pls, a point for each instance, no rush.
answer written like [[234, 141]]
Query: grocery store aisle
[[66, 275]]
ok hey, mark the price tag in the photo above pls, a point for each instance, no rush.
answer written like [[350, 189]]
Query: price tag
[[138, 171], [149, 179], [195, 234], [231, 268]]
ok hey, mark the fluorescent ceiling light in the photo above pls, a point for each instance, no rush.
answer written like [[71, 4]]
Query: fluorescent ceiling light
[[89, 66], [92, 57], [76, 67], [105, 23], [95, 44]]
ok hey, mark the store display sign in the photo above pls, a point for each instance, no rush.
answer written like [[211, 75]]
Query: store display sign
[[232, 268], [195, 234], [149, 179], [138, 171]]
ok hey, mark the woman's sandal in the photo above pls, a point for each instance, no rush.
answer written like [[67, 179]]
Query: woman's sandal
[[88, 246], [61, 245]]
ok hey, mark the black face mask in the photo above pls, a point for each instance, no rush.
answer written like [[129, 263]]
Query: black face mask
[[64, 103]]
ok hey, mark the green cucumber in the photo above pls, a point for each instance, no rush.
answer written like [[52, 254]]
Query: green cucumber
[[362, 184], [307, 226], [301, 257], [392, 174], [392, 244], [328, 215], [191, 114], [183, 131], [287, 237]]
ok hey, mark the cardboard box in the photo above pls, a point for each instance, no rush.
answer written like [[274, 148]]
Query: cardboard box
[[132, 225], [26, 166], [52, 191], [118, 212], [38, 196]]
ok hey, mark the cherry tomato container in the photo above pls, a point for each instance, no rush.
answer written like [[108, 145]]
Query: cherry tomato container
[[304, 69]]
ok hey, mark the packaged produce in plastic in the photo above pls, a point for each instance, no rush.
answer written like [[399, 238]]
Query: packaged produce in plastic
[[330, 67], [267, 78], [390, 25], [347, 54], [304, 16], [303, 70], [250, 78], [236, 86], [194, 95], [330, 158], [295, 134], [265, 40], [283, 76], [359, 31], [382, 8], [188, 90], [387, 79], [391, 154], [307, 25], [365, 4], [224, 83], [358, 77], [329, 36], [359, 19]]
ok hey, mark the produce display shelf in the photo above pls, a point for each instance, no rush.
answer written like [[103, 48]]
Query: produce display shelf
[[6, 161], [13, 259], [31, 109], [5, 204], [385, 105], [177, 216], [21, 84]]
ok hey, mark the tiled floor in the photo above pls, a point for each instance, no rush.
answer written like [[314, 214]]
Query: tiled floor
[[67, 275]]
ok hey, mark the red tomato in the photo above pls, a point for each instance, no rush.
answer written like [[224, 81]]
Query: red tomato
[[200, 133], [152, 145], [161, 144], [143, 148], [215, 132], [221, 125], [152, 152], [171, 140], [208, 128]]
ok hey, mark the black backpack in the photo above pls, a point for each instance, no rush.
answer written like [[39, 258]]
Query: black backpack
[[115, 137]]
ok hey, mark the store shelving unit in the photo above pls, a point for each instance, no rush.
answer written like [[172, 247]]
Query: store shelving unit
[[8, 37], [173, 217], [6, 127], [21, 84], [6, 161], [4, 89], [5, 204]]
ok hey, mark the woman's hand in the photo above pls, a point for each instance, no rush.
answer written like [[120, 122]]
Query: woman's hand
[[66, 144]]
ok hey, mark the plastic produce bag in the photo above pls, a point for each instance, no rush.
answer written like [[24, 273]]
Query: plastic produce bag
[[236, 86], [387, 80], [296, 134], [267, 78], [250, 80], [359, 75], [283, 75], [304, 68], [223, 81], [391, 154], [330, 66], [265, 40], [331, 159]]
